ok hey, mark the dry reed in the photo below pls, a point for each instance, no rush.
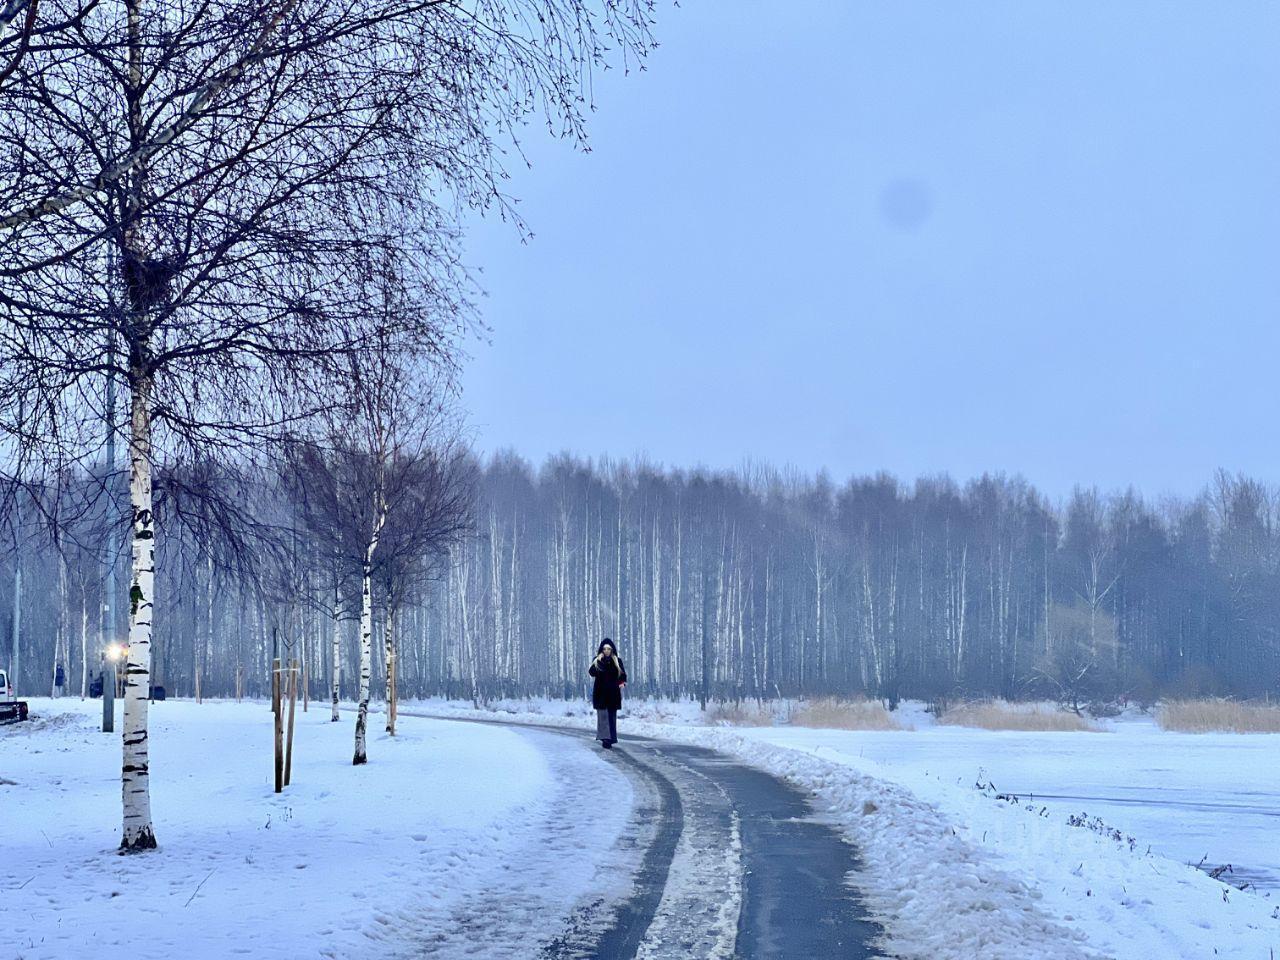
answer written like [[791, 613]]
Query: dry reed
[[1219, 716], [745, 714], [835, 714], [1003, 715]]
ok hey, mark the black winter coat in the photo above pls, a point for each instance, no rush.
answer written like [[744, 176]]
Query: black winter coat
[[606, 694]]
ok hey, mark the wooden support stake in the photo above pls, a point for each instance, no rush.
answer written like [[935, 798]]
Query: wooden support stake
[[279, 728], [293, 706], [392, 707]]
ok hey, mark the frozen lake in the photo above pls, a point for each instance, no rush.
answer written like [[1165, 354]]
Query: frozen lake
[[1187, 796]]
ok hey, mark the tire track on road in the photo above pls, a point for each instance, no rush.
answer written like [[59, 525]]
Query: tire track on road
[[736, 865]]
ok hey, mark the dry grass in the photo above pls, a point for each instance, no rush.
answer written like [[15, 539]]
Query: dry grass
[[1219, 716], [833, 714], [746, 714], [1002, 715]]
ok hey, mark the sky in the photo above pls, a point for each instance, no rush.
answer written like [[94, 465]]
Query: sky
[[1041, 238]]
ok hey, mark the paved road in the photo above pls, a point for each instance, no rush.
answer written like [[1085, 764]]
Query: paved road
[[733, 865]]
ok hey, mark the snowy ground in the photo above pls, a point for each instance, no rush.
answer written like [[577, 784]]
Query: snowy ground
[[462, 839], [411, 855], [954, 872], [1190, 797], [1130, 903]]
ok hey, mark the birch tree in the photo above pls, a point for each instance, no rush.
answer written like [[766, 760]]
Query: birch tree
[[341, 488], [335, 689], [384, 495], [428, 513], [205, 214]]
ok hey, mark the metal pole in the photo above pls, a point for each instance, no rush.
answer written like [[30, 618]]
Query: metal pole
[[17, 576], [17, 611], [275, 660], [109, 585], [277, 708], [109, 695]]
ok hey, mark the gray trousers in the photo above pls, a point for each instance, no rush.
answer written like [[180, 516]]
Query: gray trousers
[[607, 726]]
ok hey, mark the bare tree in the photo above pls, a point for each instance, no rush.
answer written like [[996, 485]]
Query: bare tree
[[206, 204], [431, 514], [385, 495], [17, 27], [1081, 652]]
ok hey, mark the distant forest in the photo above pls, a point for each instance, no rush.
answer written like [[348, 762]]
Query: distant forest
[[715, 586]]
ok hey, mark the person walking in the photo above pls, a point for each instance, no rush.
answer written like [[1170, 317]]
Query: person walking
[[606, 693]]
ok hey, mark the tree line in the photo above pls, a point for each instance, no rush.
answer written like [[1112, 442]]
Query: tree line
[[498, 579]]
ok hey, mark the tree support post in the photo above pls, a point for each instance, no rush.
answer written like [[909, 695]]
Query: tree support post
[[277, 722]]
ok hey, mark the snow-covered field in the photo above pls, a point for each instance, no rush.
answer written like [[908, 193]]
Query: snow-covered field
[[1130, 903], [955, 872], [407, 856], [1190, 797], [463, 839]]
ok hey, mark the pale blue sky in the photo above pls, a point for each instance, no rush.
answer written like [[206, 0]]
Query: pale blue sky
[[1027, 236]]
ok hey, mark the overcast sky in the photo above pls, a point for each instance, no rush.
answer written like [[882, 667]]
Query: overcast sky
[[1035, 237]]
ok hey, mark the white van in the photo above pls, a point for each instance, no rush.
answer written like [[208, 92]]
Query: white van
[[11, 709]]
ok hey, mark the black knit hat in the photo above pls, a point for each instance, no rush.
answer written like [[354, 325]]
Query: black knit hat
[[600, 649]]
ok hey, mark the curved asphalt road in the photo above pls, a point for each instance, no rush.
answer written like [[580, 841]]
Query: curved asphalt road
[[735, 867]]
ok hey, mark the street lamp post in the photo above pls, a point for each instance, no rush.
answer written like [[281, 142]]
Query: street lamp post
[[113, 654], [109, 585], [108, 694]]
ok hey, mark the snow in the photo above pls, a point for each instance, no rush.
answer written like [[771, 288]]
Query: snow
[[1189, 797], [466, 839], [1128, 902], [953, 872], [447, 823]]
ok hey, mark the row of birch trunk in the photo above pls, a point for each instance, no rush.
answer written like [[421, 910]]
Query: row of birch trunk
[[713, 586]]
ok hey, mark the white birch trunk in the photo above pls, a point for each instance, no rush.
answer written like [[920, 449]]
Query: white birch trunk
[[366, 622], [964, 601], [468, 644], [656, 573], [60, 645], [869, 613], [366, 665], [819, 584], [135, 770], [84, 644], [389, 649], [674, 650], [512, 633], [337, 657], [366, 645]]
